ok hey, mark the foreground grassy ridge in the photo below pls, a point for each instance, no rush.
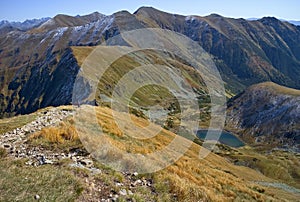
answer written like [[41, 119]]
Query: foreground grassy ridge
[[9, 124], [189, 179]]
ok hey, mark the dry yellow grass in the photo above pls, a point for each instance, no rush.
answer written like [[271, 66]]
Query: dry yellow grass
[[81, 53], [212, 178], [189, 178], [278, 88], [57, 134]]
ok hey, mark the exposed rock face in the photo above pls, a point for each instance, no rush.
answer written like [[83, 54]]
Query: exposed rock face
[[267, 113], [37, 66]]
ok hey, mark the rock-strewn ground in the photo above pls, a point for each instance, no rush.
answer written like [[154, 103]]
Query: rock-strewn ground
[[16, 144]]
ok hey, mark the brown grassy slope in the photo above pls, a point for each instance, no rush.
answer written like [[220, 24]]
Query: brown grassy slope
[[213, 178], [277, 89], [189, 178], [81, 53]]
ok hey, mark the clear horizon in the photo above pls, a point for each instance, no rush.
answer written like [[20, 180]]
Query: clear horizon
[[20, 10]]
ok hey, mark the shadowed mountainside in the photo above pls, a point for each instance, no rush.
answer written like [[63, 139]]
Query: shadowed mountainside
[[267, 114]]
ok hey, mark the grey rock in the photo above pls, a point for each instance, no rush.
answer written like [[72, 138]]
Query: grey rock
[[123, 192], [86, 162], [37, 197]]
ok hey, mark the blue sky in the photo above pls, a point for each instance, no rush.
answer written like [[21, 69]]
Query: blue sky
[[20, 10]]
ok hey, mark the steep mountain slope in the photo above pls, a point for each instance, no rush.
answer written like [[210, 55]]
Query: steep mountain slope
[[32, 62], [267, 114], [246, 51], [39, 64]]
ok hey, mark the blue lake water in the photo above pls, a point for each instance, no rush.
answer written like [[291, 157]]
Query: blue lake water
[[225, 138]]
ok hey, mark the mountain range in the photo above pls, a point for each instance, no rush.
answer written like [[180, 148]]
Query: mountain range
[[259, 62], [245, 52]]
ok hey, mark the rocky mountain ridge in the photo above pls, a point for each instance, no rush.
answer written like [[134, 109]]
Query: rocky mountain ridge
[[38, 66], [21, 26]]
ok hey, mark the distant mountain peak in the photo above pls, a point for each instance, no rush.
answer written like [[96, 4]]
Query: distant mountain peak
[[146, 8], [150, 11], [62, 20], [25, 25], [215, 15], [269, 20]]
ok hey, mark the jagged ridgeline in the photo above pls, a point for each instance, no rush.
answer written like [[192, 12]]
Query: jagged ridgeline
[[39, 63]]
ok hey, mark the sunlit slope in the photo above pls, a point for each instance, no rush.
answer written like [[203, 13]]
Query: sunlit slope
[[213, 177]]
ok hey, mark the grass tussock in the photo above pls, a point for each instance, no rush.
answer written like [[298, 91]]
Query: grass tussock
[[3, 152], [63, 133], [61, 137]]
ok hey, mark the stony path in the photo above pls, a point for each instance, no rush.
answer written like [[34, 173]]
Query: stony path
[[15, 143]]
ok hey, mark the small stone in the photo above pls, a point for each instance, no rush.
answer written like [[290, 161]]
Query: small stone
[[37, 197], [123, 192], [29, 163], [135, 174], [42, 160], [48, 161], [119, 184], [86, 162], [136, 182], [92, 185]]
